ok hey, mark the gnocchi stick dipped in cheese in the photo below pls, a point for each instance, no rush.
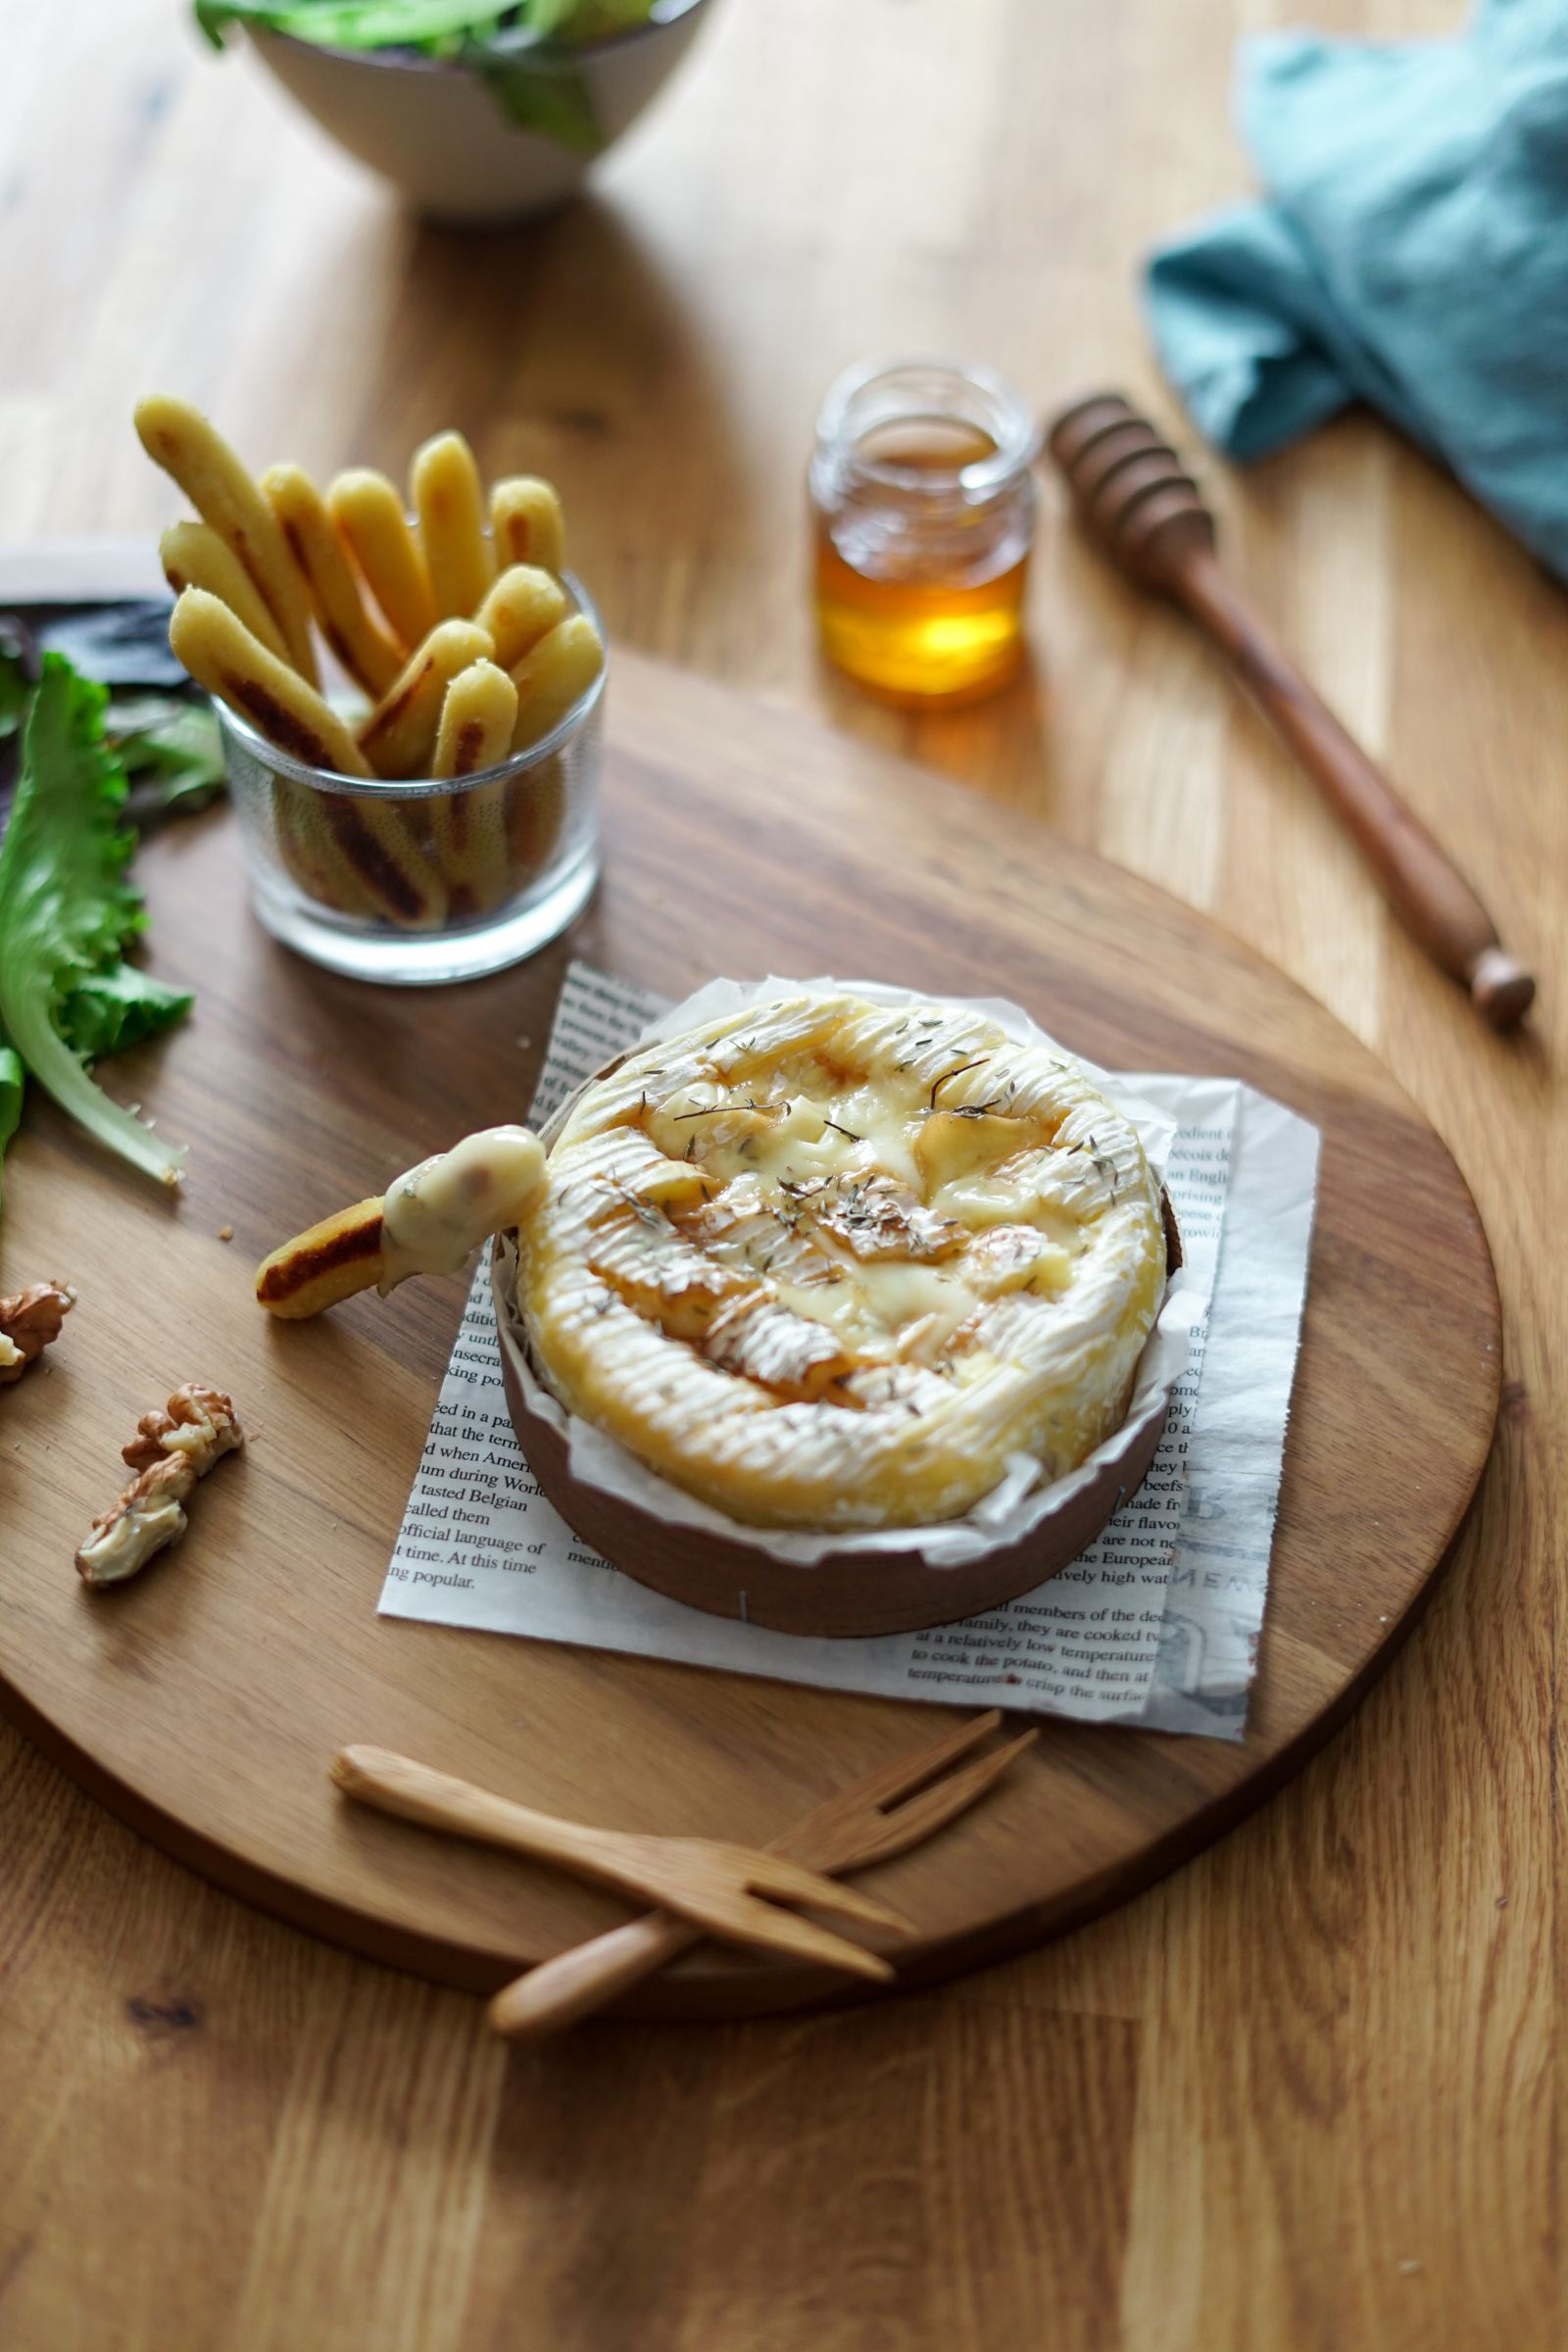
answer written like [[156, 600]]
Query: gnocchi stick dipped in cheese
[[524, 604], [180, 439], [193, 555], [363, 646], [526, 525], [369, 520], [560, 669], [399, 736], [449, 501], [428, 1222], [222, 656]]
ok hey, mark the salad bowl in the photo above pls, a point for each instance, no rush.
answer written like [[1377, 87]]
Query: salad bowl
[[443, 133]]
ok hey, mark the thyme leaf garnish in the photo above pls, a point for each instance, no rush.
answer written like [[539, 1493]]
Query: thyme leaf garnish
[[947, 1076], [713, 1111]]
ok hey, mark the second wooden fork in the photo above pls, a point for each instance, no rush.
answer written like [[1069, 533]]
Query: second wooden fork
[[891, 1810]]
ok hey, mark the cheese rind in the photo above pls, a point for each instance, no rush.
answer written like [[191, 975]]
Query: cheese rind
[[827, 1263]]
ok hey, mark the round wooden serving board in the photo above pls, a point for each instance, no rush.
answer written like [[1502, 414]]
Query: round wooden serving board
[[204, 1701]]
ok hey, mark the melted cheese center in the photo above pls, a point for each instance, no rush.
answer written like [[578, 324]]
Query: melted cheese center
[[803, 1164], [438, 1213]]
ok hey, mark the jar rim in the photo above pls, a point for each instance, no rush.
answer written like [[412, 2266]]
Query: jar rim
[[1013, 428]]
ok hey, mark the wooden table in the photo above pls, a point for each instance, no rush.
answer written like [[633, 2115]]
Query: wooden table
[[1307, 2093]]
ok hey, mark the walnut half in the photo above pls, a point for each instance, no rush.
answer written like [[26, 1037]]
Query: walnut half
[[174, 1446], [29, 1323]]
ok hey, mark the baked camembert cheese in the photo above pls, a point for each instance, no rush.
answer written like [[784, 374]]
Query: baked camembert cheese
[[828, 1263]]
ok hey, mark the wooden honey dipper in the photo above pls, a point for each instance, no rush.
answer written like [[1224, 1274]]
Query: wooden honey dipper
[[1145, 512]]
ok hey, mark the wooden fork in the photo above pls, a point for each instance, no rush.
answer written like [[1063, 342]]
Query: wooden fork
[[726, 1891], [881, 1816]]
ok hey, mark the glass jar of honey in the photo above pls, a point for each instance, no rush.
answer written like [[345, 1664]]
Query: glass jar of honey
[[923, 507]]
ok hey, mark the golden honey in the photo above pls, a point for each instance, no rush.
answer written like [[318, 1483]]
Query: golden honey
[[923, 501]]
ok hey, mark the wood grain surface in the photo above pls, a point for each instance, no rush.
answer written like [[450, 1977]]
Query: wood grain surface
[[1309, 2092]]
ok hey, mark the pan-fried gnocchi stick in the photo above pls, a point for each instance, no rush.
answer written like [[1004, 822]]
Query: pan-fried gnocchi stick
[[399, 736], [377, 837], [180, 439], [535, 811], [524, 604], [324, 1264], [391, 875], [467, 832], [222, 656], [550, 679], [526, 522], [469, 840], [310, 853], [478, 717], [448, 500], [370, 518], [194, 557], [361, 644]]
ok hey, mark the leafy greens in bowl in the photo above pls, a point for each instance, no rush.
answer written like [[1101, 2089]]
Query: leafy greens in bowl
[[532, 56]]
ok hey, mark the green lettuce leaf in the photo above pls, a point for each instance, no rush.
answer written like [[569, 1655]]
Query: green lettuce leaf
[[118, 1008], [526, 52], [13, 684], [172, 751], [353, 23], [584, 22], [432, 25], [545, 94], [11, 1081], [66, 913]]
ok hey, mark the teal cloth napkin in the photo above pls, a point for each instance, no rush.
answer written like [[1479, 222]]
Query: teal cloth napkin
[[1411, 250]]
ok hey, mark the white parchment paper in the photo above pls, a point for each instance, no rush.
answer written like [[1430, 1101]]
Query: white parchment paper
[[1156, 1621]]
